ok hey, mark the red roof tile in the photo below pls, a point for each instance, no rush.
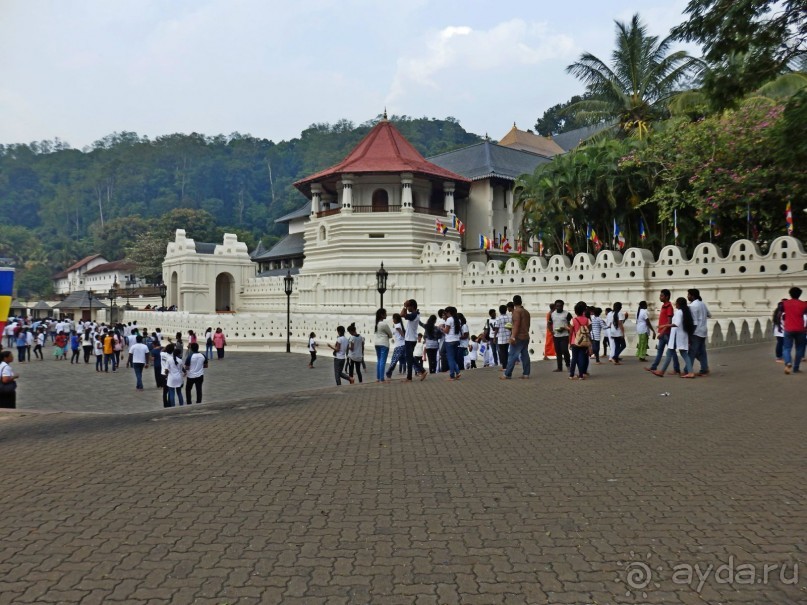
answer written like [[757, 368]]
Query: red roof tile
[[383, 150], [115, 265]]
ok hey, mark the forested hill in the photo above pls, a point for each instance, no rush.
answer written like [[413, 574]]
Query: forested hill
[[59, 204]]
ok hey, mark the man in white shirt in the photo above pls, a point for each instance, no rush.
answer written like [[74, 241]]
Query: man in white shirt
[[140, 356], [697, 346], [195, 365], [411, 315], [503, 333]]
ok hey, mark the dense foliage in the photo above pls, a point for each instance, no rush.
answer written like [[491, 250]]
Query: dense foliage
[[59, 204]]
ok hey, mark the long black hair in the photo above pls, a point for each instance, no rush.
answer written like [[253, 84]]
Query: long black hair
[[689, 325], [431, 328]]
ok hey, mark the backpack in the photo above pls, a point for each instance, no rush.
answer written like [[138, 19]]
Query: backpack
[[583, 337]]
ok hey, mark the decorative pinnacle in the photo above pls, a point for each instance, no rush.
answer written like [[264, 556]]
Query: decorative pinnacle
[[385, 113]]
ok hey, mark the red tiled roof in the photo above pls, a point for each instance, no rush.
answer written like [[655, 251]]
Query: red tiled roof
[[115, 265], [383, 150], [82, 262]]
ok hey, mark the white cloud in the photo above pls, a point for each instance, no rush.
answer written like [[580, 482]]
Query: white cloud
[[458, 52]]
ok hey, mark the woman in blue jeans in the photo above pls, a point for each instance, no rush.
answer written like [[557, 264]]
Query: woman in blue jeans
[[452, 330], [381, 338]]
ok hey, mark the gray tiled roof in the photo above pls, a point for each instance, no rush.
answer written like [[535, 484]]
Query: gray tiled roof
[[205, 247], [278, 272], [301, 212], [290, 246], [488, 159], [80, 300], [570, 140]]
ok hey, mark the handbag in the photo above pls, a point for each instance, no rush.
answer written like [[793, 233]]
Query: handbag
[[8, 387]]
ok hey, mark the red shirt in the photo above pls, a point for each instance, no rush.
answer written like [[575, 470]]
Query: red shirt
[[665, 317], [576, 324], [794, 314]]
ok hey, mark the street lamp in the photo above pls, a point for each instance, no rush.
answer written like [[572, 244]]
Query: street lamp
[[163, 292], [89, 298], [288, 284], [111, 296], [381, 282]]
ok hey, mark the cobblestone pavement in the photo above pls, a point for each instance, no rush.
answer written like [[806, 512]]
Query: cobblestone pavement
[[480, 491]]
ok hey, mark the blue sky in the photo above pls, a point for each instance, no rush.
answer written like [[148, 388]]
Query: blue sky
[[81, 69]]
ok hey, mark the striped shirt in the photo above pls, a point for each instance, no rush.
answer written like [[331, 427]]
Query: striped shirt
[[597, 324]]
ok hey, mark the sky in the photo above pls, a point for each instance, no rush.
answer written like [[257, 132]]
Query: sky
[[79, 70]]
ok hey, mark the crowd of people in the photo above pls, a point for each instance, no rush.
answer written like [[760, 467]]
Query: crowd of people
[[176, 365], [442, 343], [576, 338]]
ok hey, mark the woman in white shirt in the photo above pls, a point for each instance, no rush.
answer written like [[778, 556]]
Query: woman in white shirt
[[381, 338], [618, 333], [8, 381], [682, 328], [643, 329], [195, 366], [340, 356], [399, 343], [452, 329], [174, 375]]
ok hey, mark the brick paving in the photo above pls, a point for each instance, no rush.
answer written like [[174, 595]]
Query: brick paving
[[479, 491]]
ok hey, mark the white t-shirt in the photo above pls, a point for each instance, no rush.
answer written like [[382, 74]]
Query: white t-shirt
[[40, 339], [5, 369], [342, 352], [357, 350], [312, 346], [397, 339], [98, 347], [465, 336], [139, 352], [641, 321], [175, 378], [196, 365], [451, 335], [616, 331], [412, 326], [418, 350]]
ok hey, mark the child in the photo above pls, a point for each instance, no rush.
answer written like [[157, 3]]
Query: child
[[312, 349], [597, 325], [473, 352], [75, 345], [98, 349], [418, 357]]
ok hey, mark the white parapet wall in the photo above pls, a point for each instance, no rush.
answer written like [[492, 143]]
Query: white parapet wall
[[741, 290]]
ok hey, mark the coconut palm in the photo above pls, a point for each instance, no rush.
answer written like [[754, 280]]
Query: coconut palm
[[634, 89]]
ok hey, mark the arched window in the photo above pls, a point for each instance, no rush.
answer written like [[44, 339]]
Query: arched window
[[380, 200]]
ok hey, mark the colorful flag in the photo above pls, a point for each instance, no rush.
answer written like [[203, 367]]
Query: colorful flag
[[519, 247], [789, 219], [506, 247], [440, 227], [642, 232], [591, 235], [484, 242], [6, 288], [567, 236], [540, 243], [619, 237], [457, 224]]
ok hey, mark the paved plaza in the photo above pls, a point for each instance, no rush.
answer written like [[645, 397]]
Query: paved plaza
[[625, 488]]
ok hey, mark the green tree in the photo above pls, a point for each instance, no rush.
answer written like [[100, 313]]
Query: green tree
[[635, 88], [746, 42], [560, 118]]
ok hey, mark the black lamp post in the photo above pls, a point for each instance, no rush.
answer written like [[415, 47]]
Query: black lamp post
[[163, 292], [89, 298], [288, 284], [112, 295], [381, 282]]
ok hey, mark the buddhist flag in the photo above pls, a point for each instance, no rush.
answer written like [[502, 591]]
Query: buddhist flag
[[566, 243], [506, 247], [591, 235], [519, 247], [789, 219], [484, 242], [6, 286], [458, 224], [642, 232], [540, 243], [440, 227], [619, 237]]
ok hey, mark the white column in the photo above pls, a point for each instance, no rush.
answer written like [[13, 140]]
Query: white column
[[347, 194], [316, 200], [509, 200], [448, 202], [407, 203]]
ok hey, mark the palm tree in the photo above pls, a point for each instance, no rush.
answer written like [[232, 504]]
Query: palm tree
[[632, 91]]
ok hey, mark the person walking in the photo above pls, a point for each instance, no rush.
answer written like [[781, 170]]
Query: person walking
[[579, 341], [86, 344], [794, 311], [431, 346], [98, 349], [779, 331], [8, 381], [489, 334], [39, 343], [700, 316], [340, 356], [559, 320], [22, 345], [312, 349], [109, 351], [519, 341], [195, 366], [549, 340], [209, 343], [451, 329], [399, 343], [618, 333], [643, 330], [219, 341], [174, 375], [355, 352], [140, 356], [597, 329], [381, 338], [155, 350], [681, 328], [504, 325], [75, 346], [411, 314], [664, 319]]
